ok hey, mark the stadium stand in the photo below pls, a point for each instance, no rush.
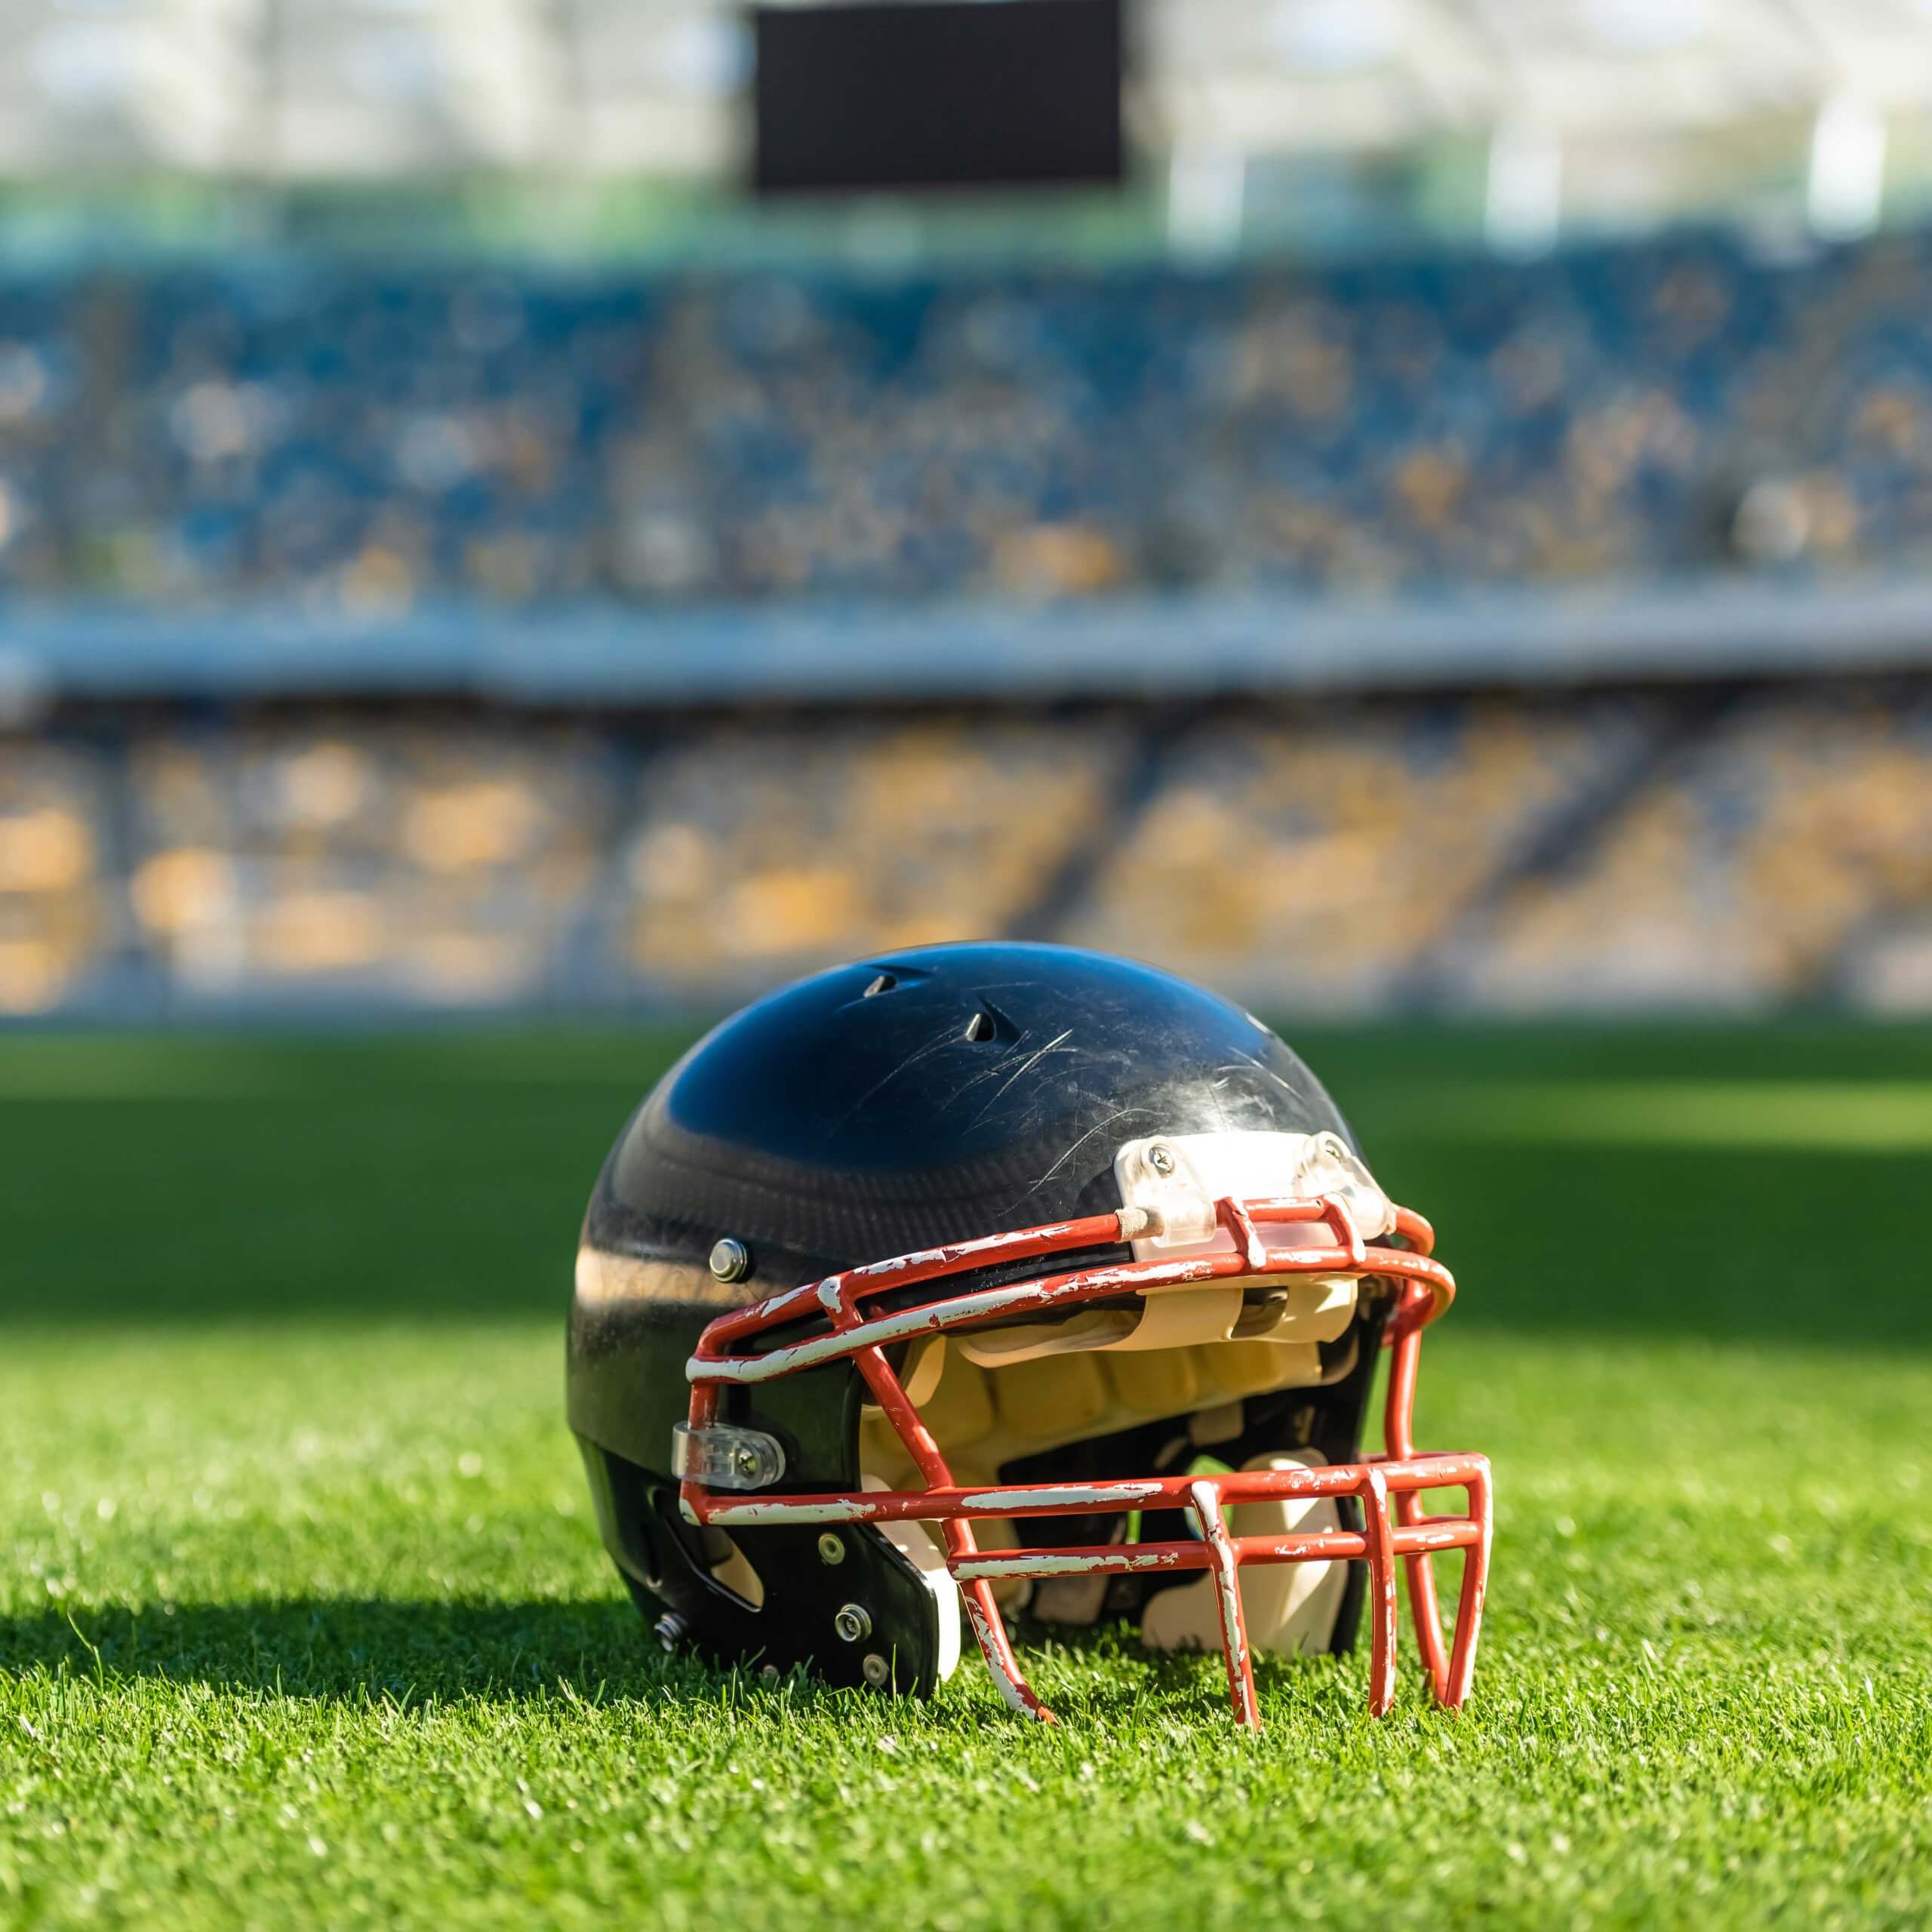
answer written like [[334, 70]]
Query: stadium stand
[[1691, 849], [1317, 857], [352, 441], [760, 850], [183, 447], [57, 916], [406, 862], [1798, 821]]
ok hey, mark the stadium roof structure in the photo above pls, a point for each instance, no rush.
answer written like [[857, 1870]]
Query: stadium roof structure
[[299, 90]]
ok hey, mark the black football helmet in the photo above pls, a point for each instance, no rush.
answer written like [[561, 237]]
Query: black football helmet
[[985, 1278]]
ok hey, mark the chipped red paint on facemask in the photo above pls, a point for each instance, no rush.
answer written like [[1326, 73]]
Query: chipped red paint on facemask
[[1388, 1487]]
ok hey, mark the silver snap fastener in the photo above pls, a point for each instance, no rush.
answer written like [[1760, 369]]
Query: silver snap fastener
[[730, 1260]]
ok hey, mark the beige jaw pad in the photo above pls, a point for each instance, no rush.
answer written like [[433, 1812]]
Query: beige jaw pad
[[1290, 1608]]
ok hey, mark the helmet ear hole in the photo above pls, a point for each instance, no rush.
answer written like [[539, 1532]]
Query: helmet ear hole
[[731, 1569]]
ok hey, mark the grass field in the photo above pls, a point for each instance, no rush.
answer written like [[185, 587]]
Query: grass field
[[303, 1618]]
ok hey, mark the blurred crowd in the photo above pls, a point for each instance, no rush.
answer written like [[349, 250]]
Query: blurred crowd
[[352, 440], [1734, 848]]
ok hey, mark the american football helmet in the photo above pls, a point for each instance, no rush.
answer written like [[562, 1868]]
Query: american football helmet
[[983, 1278]]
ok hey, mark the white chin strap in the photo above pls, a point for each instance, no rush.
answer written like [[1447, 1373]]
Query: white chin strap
[[1290, 1608]]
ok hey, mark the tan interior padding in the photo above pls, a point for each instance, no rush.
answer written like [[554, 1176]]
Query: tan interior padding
[[984, 1417], [1307, 1308]]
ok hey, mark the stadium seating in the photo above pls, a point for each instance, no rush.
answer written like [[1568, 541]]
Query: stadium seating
[[346, 441], [338, 858], [1740, 875], [1700, 849], [353, 443], [760, 850], [58, 922], [451, 864], [1315, 858]]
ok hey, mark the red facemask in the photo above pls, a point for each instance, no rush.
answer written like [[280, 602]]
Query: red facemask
[[712, 1458]]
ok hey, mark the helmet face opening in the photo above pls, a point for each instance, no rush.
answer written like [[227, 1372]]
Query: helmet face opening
[[1146, 1403]]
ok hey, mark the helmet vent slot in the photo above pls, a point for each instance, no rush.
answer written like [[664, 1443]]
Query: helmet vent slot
[[884, 983], [980, 1028]]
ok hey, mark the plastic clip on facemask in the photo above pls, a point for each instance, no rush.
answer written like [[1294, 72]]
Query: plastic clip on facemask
[[723, 1457]]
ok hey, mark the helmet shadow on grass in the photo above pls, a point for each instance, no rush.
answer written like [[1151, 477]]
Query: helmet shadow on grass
[[358, 1650], [351, 1649]]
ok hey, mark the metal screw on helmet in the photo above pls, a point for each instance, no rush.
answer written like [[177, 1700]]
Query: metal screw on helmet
[[878, 1672], [671, 1629], [1161, 1159], [745, 1461], [832, 1547], [730, 1260], [853, 1623]]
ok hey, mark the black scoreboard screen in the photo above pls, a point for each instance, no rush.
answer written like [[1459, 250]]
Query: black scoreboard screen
[[937, 94]]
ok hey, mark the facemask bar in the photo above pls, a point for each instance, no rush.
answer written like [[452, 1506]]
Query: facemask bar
[[1389, 1486]]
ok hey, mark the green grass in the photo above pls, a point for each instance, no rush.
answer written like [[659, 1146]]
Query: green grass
[[303, 1618]]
